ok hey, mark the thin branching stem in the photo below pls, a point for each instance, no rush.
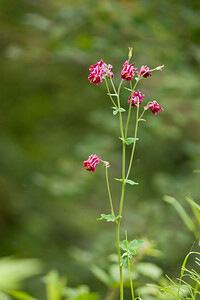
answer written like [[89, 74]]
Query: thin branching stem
[[110, 94]]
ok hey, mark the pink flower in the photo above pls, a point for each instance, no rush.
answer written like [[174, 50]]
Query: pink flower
[[136, 97], [91, 163], [154, 107], [128, 71], [144, 71], [96, 72]]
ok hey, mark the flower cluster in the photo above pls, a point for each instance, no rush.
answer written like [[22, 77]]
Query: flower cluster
[[136, 98], [98, 71]]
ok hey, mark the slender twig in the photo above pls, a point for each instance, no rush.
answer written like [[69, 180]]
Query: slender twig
[[134, 143], [129, 111], [110, 93], [117, 92]]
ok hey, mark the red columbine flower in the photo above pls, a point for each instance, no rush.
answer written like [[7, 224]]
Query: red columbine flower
[[91, 163], [154, 107], [136, 97], [144, 71], [96, 72], [128, 71]]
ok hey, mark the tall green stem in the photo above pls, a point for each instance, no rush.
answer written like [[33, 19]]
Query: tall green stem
[[119, 260], [129, 269], [121, 200], [123, 178], [123, 183], [109, 193], [124, 136]]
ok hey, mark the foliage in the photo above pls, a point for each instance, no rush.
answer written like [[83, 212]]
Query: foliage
[[13, 271], [192, 222], [50, 117]]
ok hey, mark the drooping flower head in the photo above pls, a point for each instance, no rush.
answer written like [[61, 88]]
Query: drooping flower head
[[128, 71], [98, 71], [136, 97], [91, 163], [154, 107], [144, 71]]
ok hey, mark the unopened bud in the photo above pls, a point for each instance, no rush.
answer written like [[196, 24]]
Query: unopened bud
[[159, 68], [106, 164], [130, 52]]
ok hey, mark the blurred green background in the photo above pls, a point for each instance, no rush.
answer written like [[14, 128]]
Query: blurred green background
[[52, 118]]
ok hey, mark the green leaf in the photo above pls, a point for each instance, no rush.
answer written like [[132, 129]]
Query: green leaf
[[149, 270], [118, 217], [131, 182], [108, 218], [21, 295], [118, 179], [136, 244], [131, 246], [13, 271], [130, 140], [124, 260], [101, 275], [195, 208], [54, 285], [122, 139], [128, 89], [132, 251], [182, 212], [121, 109], [124, 245], [116, 110]]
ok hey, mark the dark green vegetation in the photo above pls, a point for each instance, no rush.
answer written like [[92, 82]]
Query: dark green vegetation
[[52, 118]]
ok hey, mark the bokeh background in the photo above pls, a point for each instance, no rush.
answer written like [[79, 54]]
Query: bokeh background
[[52, 118]]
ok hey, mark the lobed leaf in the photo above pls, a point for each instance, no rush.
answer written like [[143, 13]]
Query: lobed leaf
[[121, 109], [108, 218], [131, 182], [116, 110], [136, 244], [130, 140]]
